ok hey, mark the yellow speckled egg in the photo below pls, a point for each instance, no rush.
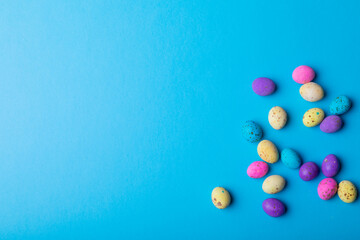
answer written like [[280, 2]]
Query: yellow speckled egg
[[268, 151], [347, 191], [277, 117], [220, 197], [313, 117], [273, 184], [311, 92]]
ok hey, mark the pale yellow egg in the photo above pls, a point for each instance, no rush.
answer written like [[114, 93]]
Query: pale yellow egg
[[347, 191], [268, 151], [273, 184], [277, 117], [311, 92], [220, 197], [313, 117]]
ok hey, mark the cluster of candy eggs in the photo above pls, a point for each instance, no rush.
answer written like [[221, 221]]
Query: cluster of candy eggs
[[268, 152]]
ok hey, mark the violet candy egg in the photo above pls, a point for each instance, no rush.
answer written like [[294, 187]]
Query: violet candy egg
[[257, 169], [327, 188], [331, 124], [330, 166], [308, 171], [303, 74], [273, 207], [263, 86]]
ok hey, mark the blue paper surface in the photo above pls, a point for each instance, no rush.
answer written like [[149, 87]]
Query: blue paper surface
[[118, 118]]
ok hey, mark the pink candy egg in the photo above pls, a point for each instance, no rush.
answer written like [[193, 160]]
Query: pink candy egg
[[327, 188], [257, 169], [303, 74]]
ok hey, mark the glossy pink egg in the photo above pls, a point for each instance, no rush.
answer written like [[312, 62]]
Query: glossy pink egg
[[257, 169], [327, 188]]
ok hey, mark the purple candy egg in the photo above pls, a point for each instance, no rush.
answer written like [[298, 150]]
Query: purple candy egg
[[263, 86], [308, 171], [330, 166], [331, 124], [273, 207]]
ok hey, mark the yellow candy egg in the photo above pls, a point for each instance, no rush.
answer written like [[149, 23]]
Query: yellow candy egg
[[311, 92], [273, 184], [268, 151], [347, 191], [220, 197], [277, 117], [313, 117]]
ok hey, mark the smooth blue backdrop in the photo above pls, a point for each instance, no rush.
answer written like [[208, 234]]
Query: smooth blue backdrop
[[118, 118]]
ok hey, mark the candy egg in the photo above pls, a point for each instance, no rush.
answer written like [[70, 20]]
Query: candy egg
[[277, 117], [220, 197], [263, 86], [331, 124], [251, 131], [273, 184], [340, 105], [327, 188], [311, 92], [313, 117], [273, 207], [330, 166], [308, 171], [268, 151], [257, 169], [303, 74], [347, 191], [290, 158]]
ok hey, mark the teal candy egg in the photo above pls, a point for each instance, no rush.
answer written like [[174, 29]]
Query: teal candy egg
[[340, 105], [290, 158], [251, 131]]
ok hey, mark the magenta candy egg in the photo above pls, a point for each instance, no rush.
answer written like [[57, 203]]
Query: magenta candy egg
[[273, 207], [327, 188], [303, 74], [331, 124], [330, 166], [257, 169], [263, 86], [308, 171]]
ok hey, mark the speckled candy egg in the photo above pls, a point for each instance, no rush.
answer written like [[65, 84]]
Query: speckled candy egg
[[263, 86], [311, 92], [220, 197], [268, 151], [347, 191], [257, 169], [331, 124], [313, 117], [277, 117], [273, 184], [330, 165], [303, 74], [340, 105], [251, 131], [308, 171], [327, 188], [290, 158], [273, 207]]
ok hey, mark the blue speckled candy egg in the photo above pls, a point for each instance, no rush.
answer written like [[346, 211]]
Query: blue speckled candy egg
[[251, 131], [290, 158], [340, 105]]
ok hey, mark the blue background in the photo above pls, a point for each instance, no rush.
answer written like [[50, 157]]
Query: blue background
[[118, 118]]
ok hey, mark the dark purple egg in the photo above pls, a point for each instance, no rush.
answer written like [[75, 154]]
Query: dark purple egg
[[331, 124], [273, 207], [308, 171], [330, 166], [263, 86]]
